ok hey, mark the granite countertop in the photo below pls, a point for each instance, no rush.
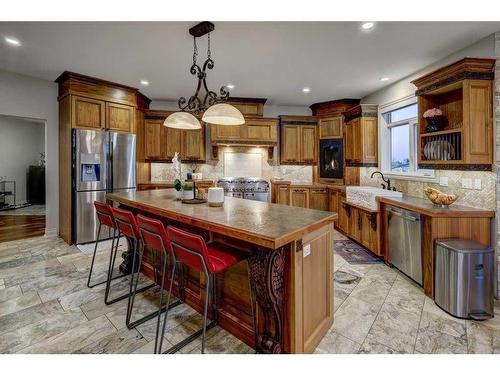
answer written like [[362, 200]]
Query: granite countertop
[[304, 184], [266, 224], [425, 207]]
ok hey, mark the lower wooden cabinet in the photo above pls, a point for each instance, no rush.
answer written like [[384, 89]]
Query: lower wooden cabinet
[[318, 199], [299, 197], [283, 194], [359, 225], [344, 212]]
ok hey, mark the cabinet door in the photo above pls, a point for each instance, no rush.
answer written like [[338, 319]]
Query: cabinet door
[[221, 132], [120, 118], [369, 232], [349, 138], [333, 201], [261, 130], [193, 144], [171, 142], [344, 211], [87, 113], [356, 140], [355, 224], [283, 195], [290, 148], [308, 144], [369, 127], [330, 127], [318, 199], [152, 139], [299, 197]]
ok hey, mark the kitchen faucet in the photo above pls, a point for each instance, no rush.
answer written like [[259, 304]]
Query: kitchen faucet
[[387, 181]]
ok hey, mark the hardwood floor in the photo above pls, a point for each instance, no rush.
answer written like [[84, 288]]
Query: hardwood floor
[[14, 227]]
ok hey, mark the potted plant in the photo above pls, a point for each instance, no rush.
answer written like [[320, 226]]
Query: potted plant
[[434, 117], [188, 192], [178, 189]]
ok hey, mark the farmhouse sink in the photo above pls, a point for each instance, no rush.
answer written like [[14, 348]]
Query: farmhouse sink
[[365, 196]]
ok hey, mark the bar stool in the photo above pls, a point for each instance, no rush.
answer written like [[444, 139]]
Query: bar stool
[[126, 225], [213, 259], [104, 214], [154, 237]]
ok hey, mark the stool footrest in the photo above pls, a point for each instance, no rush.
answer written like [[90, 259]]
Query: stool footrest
[[189, 339], [153, 314], [127, 294]]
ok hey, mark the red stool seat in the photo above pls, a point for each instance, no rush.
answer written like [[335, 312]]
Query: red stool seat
[[126, 223], [222, 256], [104, 213]]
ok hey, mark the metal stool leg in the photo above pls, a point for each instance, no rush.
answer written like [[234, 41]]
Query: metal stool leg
[[164, 272], [93, 257], [205, 313], [110, 276], [166, 311], [134, 291]]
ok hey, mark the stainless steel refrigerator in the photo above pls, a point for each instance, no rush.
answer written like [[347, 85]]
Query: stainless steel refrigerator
[[103, 162]]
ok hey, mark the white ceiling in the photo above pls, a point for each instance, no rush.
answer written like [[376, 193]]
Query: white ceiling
[[262, 59]]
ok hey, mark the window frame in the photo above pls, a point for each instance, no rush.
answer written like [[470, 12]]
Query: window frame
[[414, 172]]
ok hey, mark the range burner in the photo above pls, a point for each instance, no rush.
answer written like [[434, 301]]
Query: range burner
[[246, 188]]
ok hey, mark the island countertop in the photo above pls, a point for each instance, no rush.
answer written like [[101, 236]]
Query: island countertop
[[265, 224]]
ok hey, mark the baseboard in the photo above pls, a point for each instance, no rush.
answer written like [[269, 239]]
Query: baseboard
[[51, 233]]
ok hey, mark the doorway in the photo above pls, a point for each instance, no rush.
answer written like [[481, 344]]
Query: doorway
[[22, 178]]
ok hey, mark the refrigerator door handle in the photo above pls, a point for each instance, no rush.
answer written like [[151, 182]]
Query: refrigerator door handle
[[110, 164]]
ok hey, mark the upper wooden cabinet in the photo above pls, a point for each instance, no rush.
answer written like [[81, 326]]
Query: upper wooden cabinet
[[298, 142], [161, 143], [331, 127], [361, 136], [99, 104], [87, 113], [120, 117], [463, 92], [258, 130], [249, 107]]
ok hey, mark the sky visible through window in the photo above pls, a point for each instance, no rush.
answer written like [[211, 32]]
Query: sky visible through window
[[400, 148]]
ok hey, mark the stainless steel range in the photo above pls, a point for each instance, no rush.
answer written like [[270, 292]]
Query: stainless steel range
[[255, 189]]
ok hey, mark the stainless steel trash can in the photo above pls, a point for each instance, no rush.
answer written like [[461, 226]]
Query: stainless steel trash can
[[463, 278]]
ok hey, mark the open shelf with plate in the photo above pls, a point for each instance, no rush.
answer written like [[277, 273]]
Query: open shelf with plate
[[462, 137]]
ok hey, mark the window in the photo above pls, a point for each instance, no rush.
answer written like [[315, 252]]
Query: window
[[399, 139]]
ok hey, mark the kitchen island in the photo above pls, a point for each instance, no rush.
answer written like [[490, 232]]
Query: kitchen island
[[290, 254]]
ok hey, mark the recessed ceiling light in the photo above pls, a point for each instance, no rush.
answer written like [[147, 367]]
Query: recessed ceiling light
[[367, 25], [306, 89], [144, 82], [230, 86], [12, 41], [384, 79]]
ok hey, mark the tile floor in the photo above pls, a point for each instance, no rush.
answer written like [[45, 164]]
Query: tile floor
[[45, 307]]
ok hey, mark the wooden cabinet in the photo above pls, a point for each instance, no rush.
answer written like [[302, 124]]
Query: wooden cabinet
[[331, 127], [259, 130], [333, 200], [282, 194], [318, 199], [193, 145], [299, 197], [171, 142], [355, 224], [361, 136], [120, 117], [463, 93], [369, 236], [298, 143], [344, 212], [152, 139], [249, 107], [87, 113]]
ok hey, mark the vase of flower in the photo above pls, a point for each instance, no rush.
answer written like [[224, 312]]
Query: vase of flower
[[435, 120], [178, 190]]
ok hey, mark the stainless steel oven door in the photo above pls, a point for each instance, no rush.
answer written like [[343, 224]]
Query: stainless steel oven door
[[234, 194], [262, 197]]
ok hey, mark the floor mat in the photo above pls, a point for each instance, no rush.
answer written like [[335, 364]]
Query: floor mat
[[354, 253]]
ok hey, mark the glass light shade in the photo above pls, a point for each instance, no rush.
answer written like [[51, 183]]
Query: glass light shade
[[223, 114], [182, 120]]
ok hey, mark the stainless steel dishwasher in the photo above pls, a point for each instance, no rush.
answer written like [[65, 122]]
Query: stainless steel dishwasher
[[405, 247]]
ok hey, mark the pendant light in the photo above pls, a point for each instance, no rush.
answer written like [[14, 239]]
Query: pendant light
[[205, 101]]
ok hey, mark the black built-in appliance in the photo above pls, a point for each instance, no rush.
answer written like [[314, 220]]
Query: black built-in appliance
[[331, 158]]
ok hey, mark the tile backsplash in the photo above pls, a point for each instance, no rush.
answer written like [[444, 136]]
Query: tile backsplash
[[214, 169], [484, 198]]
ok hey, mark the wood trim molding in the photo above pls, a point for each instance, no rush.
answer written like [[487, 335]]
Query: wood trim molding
[[349, 163], [362, 110], [458, 167]]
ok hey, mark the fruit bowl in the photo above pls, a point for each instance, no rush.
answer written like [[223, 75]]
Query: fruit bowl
[[438, 198]]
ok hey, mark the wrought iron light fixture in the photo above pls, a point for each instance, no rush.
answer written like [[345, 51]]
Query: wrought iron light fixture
[[205, 101]]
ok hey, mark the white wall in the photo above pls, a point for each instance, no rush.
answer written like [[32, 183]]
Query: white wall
[[29, 97], [270, 110], [21, 142], [403, 88]]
